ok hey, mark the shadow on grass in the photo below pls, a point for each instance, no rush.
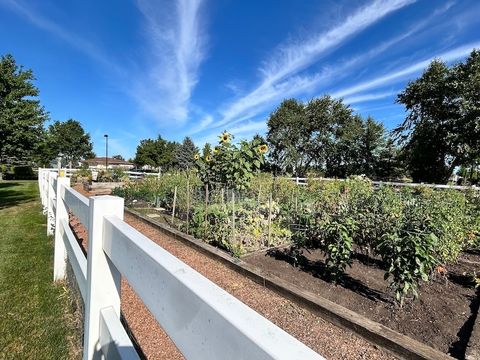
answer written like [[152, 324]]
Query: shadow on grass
[[14, 193], [319, 270]]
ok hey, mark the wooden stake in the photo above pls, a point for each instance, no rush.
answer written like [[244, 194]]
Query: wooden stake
[[174, 203], [269, 219], [233, 214], [188, 203], [206, 210]]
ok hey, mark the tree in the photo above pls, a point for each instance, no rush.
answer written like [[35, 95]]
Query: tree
[[288, 136], [441, 130], [69, 139], [326, 135], [184, 155], [21, 115], [156, 153], [207, 149]]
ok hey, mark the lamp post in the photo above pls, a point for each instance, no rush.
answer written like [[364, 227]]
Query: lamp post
[[106, 151]]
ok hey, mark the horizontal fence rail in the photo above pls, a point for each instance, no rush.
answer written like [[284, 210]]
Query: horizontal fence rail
[[203, 320], [304, 181]]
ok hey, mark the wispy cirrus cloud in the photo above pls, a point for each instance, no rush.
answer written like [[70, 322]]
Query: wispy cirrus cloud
[[177, 40], [280, 74], [368, 97], [403, 73]]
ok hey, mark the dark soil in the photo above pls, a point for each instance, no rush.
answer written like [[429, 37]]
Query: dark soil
[[442, 317]]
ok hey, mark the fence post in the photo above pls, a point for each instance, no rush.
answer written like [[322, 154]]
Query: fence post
[[60, 252], [103, 278], [40, 183], [50, 200]]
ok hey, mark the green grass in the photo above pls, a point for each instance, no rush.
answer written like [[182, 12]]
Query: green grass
[[33, 311]]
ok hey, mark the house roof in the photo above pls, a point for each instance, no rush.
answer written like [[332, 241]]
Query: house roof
[[111, 161]]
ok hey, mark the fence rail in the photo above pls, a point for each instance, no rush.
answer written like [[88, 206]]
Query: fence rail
[[203, 320], [303, 181]]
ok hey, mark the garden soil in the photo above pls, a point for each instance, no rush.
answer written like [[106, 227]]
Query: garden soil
[[441, 317]]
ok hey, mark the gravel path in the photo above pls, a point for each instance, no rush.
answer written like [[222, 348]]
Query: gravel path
[[322, 336]]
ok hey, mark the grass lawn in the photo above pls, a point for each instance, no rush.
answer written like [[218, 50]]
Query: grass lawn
[[34, 313]]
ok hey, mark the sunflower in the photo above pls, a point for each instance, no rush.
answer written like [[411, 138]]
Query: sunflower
[[196, 156], [263, 149], [225, 137], [208, 158], [216, 149]]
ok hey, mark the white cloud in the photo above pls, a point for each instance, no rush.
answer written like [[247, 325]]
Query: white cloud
[[292, 58], [178, 48], [280, 74], [402, 74], [368, 97]]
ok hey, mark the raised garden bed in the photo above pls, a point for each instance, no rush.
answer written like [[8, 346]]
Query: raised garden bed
[[443, 317]]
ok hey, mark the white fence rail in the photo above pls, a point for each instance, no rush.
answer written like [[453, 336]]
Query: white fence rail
[[203, 320], [303, 181]]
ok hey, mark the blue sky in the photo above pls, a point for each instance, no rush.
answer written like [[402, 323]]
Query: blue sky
[[136, 69]]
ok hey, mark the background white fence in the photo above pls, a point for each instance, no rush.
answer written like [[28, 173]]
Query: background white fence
[[303, 181], [136, 175], [203, 320]]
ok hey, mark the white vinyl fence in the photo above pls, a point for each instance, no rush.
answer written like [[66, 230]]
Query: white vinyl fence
[[303, 181], [203, 320]]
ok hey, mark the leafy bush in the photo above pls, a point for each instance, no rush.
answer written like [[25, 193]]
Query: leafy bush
[[21, 172], [410, 258], [233, 166], [338, 246]]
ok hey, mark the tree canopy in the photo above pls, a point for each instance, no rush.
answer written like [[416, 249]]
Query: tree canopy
[[21, 115], [442, 127], [184, 154], [324, 134], [69, 139], [156, 153]]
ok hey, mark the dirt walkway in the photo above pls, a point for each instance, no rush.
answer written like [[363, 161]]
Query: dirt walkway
[[323, 337]]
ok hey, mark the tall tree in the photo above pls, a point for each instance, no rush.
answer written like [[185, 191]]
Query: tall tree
[[21, 115], [289, 136], [156, 153], [325, 134], [185, 152], [70, 139], [441, 130]]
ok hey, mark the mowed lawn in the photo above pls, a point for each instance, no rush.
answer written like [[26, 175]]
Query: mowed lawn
[[33, 311]]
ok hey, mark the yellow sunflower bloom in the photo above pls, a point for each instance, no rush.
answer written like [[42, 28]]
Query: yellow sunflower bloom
[[216, 149], [208, 158], [225, 137], [263, 149], [196, 157]]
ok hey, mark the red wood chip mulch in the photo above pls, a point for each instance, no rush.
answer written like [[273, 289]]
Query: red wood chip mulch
[[327, 339]]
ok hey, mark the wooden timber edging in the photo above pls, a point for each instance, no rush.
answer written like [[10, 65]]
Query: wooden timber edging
[[473, 347], [392, 341]]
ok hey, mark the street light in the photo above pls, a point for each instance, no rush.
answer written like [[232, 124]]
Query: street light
[[106, 151]]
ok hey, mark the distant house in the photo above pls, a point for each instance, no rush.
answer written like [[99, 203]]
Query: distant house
[[98, 163]]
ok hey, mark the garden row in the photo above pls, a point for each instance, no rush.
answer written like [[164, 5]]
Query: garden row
[[414, 232]]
